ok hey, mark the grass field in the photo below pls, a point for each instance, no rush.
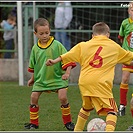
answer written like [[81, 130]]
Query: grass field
[[15, 99]]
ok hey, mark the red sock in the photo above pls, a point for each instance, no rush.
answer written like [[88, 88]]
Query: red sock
[[66, 115], [34, 115], [123, 94], [131, 111]]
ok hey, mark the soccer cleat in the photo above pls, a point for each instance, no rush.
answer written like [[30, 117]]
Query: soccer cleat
[[70, 126], [30, 126], [122, 110], [130, 128]]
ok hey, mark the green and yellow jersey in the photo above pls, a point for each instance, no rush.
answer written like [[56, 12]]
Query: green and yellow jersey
[[47, 78], [126, 34]]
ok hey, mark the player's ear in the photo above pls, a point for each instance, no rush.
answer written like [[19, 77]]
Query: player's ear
[[108, 34], [49, 31], [128, 11], [34, 32]]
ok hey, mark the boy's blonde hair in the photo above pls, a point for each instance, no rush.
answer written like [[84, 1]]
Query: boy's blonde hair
[[40, 22], [130, 5], [100, 28]]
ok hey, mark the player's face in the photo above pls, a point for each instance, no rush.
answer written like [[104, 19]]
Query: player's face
[[130, 11], [43, 33]]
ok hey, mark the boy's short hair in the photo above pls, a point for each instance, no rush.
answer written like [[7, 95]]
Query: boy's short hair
[[100, 28], [40, 22], [130, 5]]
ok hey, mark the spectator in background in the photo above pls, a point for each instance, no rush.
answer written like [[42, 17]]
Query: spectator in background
[[8, 26], [30, 13], [63, 17]]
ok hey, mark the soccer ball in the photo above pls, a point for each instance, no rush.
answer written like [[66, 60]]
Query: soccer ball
[[96, 124]]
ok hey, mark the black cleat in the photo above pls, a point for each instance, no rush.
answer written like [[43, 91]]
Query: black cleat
[[30, 126], [70, 126], [122, 110], [130, 128]]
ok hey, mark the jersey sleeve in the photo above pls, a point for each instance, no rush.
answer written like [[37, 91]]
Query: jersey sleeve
[[66, 64], [125, 57], [121, 31], [31, 62], [72, 56]]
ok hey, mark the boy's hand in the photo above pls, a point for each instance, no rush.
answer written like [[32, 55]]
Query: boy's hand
[[49, 62], [30, 82], [65, 76], [14, 23]]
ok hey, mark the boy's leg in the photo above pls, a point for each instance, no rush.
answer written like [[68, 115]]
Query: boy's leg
[[81, 120], [106, 107], [65, 40], [130, 128], [123, 92], [34, 109], [65, 109], [111, 120], [83, 114], [8, 46], [34, 124], [66, 117], [58, 36]]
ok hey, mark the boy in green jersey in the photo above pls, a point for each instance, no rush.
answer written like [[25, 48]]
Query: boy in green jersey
[[47, 79], [126, 38]]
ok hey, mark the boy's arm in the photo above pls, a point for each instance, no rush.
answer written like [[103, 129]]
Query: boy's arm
[[6, 26], [131, 64], [120, 39], [121, 34], [31, 80], [51, 62], [67, 73]]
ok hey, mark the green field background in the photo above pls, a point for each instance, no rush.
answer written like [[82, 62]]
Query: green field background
[[14, 108]]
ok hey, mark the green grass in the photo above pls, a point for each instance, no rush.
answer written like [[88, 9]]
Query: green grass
[[14, 108]]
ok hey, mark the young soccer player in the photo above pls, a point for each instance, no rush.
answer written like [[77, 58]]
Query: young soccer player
[[126, 38], [46, 79], [97, 58]]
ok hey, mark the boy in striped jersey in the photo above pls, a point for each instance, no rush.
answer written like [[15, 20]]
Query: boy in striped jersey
[[48, 79], [97, 58], [126, 39]]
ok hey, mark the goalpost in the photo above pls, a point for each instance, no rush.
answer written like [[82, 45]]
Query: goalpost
[[20, 43]]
